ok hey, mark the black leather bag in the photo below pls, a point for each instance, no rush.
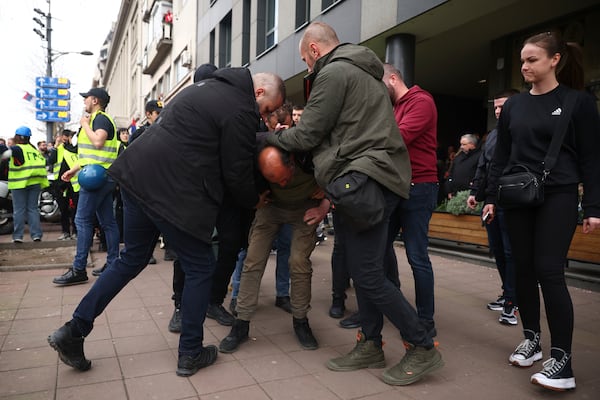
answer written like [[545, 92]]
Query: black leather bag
[[358, 198], [520, 188]]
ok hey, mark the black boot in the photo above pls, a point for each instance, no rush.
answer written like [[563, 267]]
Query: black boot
[[238, 335], [353, 321], [188, 365], [337, 307], [69, 347], [304, 334]]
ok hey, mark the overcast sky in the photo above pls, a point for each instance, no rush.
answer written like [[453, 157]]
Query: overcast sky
[[77, 25]]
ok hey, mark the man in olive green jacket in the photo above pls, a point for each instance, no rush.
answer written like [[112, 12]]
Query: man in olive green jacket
[[349, 126]]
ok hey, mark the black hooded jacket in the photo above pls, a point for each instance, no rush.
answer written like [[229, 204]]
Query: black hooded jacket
[[202, 144]]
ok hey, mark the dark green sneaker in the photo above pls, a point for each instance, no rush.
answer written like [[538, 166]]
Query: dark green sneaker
[[366, 354], [416, 363]]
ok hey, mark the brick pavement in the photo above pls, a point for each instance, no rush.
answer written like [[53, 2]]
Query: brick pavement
[[134, 356]]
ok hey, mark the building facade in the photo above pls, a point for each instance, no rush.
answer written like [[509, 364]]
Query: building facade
[[462, 51]]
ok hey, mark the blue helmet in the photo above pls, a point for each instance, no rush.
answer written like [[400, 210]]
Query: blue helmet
[[92, 177], [23, 131]]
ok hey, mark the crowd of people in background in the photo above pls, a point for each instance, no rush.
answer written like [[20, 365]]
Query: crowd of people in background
[[259, 175]]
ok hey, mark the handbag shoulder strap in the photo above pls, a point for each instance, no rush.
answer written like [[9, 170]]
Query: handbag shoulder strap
[[560, 132]]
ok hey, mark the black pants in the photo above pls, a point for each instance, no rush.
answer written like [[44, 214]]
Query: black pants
[[540, 238], [233, 225]]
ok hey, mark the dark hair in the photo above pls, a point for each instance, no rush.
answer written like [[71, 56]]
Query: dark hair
[[506, 93], [298, 107], [569, 70], [283, 112]]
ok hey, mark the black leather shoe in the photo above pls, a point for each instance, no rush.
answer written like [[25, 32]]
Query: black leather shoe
[[188, 365], [219, 314], [353, 321], [304, 334], [169, 255], [99, 271], [337, 307], [237, 336], [69, 348], [175, 322], [284, 303], [71, 277], [152, 260]]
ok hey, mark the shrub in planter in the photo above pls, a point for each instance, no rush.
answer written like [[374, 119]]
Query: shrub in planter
[[457, 205]]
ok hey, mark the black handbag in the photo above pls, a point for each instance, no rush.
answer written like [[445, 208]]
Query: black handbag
[[358, 198], [521, 187]]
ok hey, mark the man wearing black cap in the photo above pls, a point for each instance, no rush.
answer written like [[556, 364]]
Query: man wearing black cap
[[97, 143]]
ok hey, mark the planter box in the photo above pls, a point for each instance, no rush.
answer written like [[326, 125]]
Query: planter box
[[467, 229], [464, 228]]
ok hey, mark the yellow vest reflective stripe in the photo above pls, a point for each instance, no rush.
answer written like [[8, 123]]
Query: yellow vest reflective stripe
[[71, 159], [89, 154], [33, 170]]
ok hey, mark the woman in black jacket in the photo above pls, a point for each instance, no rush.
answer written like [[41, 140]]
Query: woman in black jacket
[[540, 236]]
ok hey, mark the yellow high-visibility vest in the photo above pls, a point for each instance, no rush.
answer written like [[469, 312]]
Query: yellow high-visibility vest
[[89, 154], [71, 159], [33, 170]]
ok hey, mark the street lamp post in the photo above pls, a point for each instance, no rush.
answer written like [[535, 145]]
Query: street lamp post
[[51, 56]]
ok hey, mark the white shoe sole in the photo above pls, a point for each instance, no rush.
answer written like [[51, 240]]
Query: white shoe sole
[[528, 362], [559, 384]]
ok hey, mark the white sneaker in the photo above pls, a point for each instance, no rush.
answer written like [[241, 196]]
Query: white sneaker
[[528, 351], [509, 314], [557, 374]]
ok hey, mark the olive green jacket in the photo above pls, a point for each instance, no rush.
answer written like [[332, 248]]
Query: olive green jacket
[[348, 123]]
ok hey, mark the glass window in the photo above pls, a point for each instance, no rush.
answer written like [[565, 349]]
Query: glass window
[[225, 41], [266, 25], [302, 12], [180, 70], [211, 47], [246, 32], [325, 4]]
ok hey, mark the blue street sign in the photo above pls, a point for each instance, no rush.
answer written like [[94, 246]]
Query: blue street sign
[[55, 94], [53, 105], [53, 116], [51, 82]]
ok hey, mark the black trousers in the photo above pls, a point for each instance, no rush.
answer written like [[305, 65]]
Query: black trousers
[[233, 225], [540, 238]]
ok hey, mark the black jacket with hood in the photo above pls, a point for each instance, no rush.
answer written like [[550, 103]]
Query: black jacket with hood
[[203, 143]]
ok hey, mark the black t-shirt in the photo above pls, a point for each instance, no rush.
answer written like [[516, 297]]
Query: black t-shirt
[[102, 122]]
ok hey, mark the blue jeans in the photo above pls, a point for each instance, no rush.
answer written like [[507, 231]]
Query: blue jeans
[[413, 218], [25, 203], [237, 273], [141, 234], [500, 247], [98, 203], [376, 294], [282, 269]]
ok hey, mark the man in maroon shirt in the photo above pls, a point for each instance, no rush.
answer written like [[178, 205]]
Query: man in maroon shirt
[[416, 116]]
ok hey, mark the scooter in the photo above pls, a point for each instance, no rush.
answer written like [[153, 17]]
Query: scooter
[[49, 210], [6, 209]]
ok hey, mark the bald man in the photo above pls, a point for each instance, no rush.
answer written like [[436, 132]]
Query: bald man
[[296, 200], [361, 137]]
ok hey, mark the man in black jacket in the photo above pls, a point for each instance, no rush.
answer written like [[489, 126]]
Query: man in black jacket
[[202, 144]]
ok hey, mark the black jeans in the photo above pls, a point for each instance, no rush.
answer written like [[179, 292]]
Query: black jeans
[[540, 238], [376, 294]]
